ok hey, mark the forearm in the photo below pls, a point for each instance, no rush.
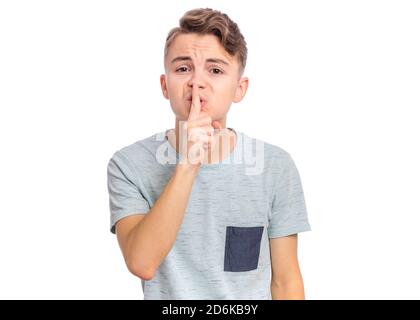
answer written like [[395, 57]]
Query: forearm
[[293, 289], [152, 238]]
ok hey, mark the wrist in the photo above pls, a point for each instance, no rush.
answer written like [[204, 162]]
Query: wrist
[[187, 168]]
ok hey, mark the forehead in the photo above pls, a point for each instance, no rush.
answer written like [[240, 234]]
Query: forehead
[[197, 45]]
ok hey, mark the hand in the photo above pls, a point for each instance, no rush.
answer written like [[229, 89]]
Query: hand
[[197, 133]]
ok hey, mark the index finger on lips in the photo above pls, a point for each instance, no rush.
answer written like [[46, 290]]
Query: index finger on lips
[[195, 104]]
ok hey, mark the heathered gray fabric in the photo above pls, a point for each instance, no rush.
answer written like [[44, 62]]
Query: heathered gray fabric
[[226, 194]]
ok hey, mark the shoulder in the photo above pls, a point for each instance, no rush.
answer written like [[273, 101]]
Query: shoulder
[[274, 157], [145, 147], [140, 154]]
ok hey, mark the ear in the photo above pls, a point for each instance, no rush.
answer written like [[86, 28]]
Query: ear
[[241, 89], [163, 86]]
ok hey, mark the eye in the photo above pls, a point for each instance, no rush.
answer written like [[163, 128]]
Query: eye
[[181, 68], [217, 70]]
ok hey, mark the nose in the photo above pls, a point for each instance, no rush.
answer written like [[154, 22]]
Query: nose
[[196, 79]]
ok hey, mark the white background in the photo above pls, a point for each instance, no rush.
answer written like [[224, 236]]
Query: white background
[[335, 83]]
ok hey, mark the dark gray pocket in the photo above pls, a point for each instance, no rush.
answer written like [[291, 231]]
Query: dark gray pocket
[[242, 248]]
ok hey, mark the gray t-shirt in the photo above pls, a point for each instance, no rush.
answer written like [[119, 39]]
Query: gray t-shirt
[[222, 247]]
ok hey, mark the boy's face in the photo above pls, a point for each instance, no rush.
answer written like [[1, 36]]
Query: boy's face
[[201, 60]]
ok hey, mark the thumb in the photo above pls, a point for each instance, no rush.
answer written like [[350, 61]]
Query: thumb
[[216, 125]]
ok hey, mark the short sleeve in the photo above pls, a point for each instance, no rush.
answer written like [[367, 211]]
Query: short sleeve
[[288, 210], [126, 197]]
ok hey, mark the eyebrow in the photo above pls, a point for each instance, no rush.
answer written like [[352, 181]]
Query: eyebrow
[[187, 58]]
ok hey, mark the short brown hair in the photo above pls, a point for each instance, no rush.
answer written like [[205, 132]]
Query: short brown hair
[[209, 21]]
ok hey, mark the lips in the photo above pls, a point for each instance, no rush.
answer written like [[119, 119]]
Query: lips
[[201, 99], [202, 102]]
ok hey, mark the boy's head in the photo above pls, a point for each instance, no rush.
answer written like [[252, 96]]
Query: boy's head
[[207, 49]]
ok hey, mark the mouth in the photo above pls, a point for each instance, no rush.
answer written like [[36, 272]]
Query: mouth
[[202, 103]]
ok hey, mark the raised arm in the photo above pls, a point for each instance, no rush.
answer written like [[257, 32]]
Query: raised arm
[[146, 239]]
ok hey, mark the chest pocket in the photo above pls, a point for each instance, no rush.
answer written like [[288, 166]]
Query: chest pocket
[[242, 248]]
